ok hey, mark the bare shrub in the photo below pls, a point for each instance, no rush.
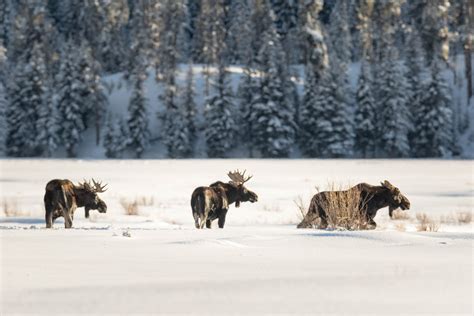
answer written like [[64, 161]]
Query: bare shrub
[[131, 207], [426, 224], [301, 207], [345, 209], [464, 217], [10, 208], [400, 227], [400, 215], [447, 219]]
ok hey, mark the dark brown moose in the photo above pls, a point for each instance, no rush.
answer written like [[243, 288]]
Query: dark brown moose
[[62, 198], [212, 202], [372, 198]]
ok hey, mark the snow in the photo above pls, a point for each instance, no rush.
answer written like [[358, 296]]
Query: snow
[[259, 263]]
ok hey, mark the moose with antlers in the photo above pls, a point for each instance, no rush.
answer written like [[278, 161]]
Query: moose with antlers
[[62, 198], [371, 198], [212, 202]]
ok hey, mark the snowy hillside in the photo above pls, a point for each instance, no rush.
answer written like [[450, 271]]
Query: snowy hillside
[[156, 262]]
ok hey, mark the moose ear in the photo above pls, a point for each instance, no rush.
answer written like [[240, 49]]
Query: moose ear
[[388, 185]]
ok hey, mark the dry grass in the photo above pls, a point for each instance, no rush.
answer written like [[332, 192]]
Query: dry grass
[[343, 209], [400, 227], [301, 208], [464, 217], [131, 207], [426, 224], [10, 208], [400, 215]]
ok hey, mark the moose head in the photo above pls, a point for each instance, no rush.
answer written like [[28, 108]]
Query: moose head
[[87, 196], [395, 198], [243, 194]]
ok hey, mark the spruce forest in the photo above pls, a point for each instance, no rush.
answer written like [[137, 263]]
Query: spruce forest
[[236, 78]]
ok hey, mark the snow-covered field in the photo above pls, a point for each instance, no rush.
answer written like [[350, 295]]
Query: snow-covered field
[[259, 264]]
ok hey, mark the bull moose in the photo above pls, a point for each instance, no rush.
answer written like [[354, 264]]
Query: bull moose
[[212, 202], [62, 198], [371, 199]]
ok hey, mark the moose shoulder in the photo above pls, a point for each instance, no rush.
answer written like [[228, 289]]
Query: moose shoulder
[[371, 199], [62, 198], [212, 202]]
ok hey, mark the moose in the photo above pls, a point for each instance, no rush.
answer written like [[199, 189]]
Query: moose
[[370, 200], [212, 202], [62, 198]]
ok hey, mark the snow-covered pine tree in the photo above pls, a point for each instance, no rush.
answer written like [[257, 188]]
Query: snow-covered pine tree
[[29, 82], [247, 90], [3, 121], [365, 116], [416, 75], [93, 91], [434, 119], [115, 137], [172, 18], [339, 33], [315, 50], [239, 33], [69, 99], [47, 126], [139, 135], [211, 35], [395, 119], [310, 112], [188, 104], [220, 128], [144, 35], [272, 117], [176, 134]]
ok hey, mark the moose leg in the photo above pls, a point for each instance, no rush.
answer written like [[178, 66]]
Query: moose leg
[[196, 220], [208, 224], [203, 219], [323, 217], [49, 218], [87, 212], [67, 218], [371, 224], [221, 220]]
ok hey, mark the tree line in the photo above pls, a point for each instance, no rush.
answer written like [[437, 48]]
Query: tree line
[[55, 53]]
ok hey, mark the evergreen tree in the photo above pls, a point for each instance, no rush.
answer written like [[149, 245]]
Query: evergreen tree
[[309, 115], [365, 116], [314, 46], [177, 136], [137, 122], [272, 117], [434, 119], [239, 33], [3, 121], [394, 121], [47, 126], [416, 75], [188, 104], [247, 90], [220, 128], [115, 138], [339, 33], [70, 102]]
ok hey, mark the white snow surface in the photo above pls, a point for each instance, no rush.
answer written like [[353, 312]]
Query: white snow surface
[[158, 263]]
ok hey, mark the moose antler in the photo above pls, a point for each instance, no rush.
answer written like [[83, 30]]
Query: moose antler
[[238, 177], [98, 187]]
